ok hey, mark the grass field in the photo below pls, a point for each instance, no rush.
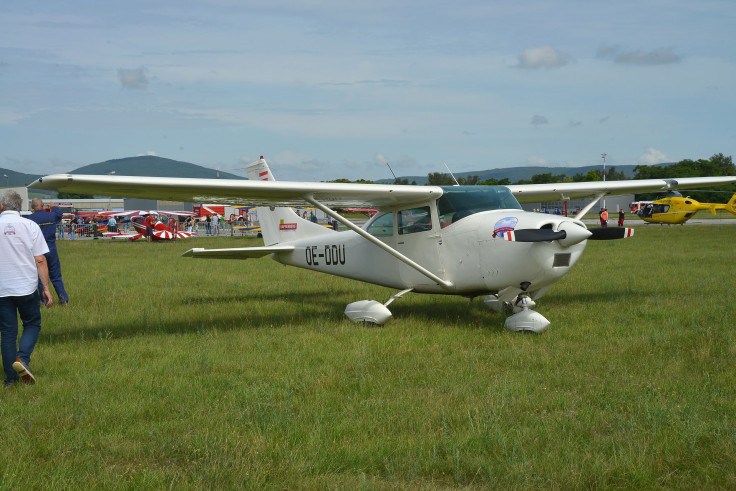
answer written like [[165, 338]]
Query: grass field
[[172, 372]]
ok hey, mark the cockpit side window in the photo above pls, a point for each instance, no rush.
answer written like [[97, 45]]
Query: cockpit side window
[[382, 226], [414, 220]]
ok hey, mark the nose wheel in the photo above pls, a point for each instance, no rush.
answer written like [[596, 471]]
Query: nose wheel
[[526, 319], [516, 300]]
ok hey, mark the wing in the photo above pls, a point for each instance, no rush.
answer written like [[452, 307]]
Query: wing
[[226, 191], [114, 235], [526, 193], [270, 193]]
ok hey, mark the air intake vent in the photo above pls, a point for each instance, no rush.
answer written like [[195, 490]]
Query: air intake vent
[[562, 260]]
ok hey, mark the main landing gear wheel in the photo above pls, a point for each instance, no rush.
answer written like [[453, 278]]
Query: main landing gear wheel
[[370, 311]]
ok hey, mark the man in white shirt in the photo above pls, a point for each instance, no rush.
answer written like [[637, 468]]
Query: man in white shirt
[[22, 262]]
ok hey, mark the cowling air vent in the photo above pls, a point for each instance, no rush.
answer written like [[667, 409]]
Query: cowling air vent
[[562, 260]]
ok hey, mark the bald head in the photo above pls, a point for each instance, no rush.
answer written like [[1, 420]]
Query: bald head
[[36, 204]]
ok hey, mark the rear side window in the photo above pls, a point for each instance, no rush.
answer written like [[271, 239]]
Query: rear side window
[[414, 220]]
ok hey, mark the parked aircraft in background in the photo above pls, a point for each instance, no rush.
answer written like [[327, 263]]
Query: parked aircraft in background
[[164, 225], [453, 240], [675, 209]]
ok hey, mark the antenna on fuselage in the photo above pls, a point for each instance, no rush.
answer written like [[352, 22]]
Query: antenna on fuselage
[[451, 174], [392, 171]]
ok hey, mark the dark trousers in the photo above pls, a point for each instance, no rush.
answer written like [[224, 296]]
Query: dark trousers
[[29, 309], [52, 259]]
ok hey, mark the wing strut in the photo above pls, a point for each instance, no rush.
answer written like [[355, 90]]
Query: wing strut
[[590, 205], [373, 240]]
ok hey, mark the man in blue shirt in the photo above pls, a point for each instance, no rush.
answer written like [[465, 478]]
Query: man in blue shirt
[[47, 220]]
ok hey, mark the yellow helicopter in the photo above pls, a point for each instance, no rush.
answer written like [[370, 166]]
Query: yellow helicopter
[[675, 209]]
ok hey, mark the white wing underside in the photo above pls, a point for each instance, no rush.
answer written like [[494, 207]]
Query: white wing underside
[[275, 193]]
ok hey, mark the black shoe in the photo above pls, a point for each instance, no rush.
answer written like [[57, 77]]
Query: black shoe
[[23, 371]]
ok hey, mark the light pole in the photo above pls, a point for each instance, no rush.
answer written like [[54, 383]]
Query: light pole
[[604, 176], [7, 179]]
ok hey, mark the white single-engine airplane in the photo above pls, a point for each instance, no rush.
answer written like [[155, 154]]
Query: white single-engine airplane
[[453, 240]]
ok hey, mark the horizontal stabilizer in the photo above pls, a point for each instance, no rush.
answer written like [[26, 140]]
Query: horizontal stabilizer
[[236, 253]]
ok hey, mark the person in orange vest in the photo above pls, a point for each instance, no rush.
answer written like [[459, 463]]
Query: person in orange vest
[[604, 217]]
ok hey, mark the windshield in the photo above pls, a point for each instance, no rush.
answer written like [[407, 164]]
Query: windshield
[[461, 201]]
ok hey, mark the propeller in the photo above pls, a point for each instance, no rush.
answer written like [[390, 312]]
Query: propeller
[[532, 235], [569, 236], [610, 233]]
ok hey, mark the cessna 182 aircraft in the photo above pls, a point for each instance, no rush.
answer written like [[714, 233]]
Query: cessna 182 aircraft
[[676, 210], [454, 240]]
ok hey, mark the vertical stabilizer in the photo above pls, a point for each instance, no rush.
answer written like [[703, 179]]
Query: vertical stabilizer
[[280, 224]]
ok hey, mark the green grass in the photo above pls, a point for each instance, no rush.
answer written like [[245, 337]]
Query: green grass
[[173, 372]]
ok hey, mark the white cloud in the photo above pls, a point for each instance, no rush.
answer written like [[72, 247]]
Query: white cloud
[[659, 56], [541, 57], [133, 79], [653, 156], [380, 159], [8, 116]]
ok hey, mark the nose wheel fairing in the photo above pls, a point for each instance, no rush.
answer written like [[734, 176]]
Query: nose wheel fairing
[[520, 303]]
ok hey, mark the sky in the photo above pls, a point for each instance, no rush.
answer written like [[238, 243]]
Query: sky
[[334, 89]]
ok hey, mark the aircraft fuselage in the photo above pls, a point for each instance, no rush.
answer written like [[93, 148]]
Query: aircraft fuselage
[[464, 253]]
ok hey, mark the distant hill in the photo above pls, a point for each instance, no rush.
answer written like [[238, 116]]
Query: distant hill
[[148, 165], [15, 179], [152, 166]]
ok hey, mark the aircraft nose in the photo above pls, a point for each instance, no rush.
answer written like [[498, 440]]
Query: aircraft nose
[[574, 233]]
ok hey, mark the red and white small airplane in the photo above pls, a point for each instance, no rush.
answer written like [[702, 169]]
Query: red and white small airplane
[[451, 240], [163, 225]]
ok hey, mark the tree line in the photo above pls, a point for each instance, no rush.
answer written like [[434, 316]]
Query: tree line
[[717, 165]]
